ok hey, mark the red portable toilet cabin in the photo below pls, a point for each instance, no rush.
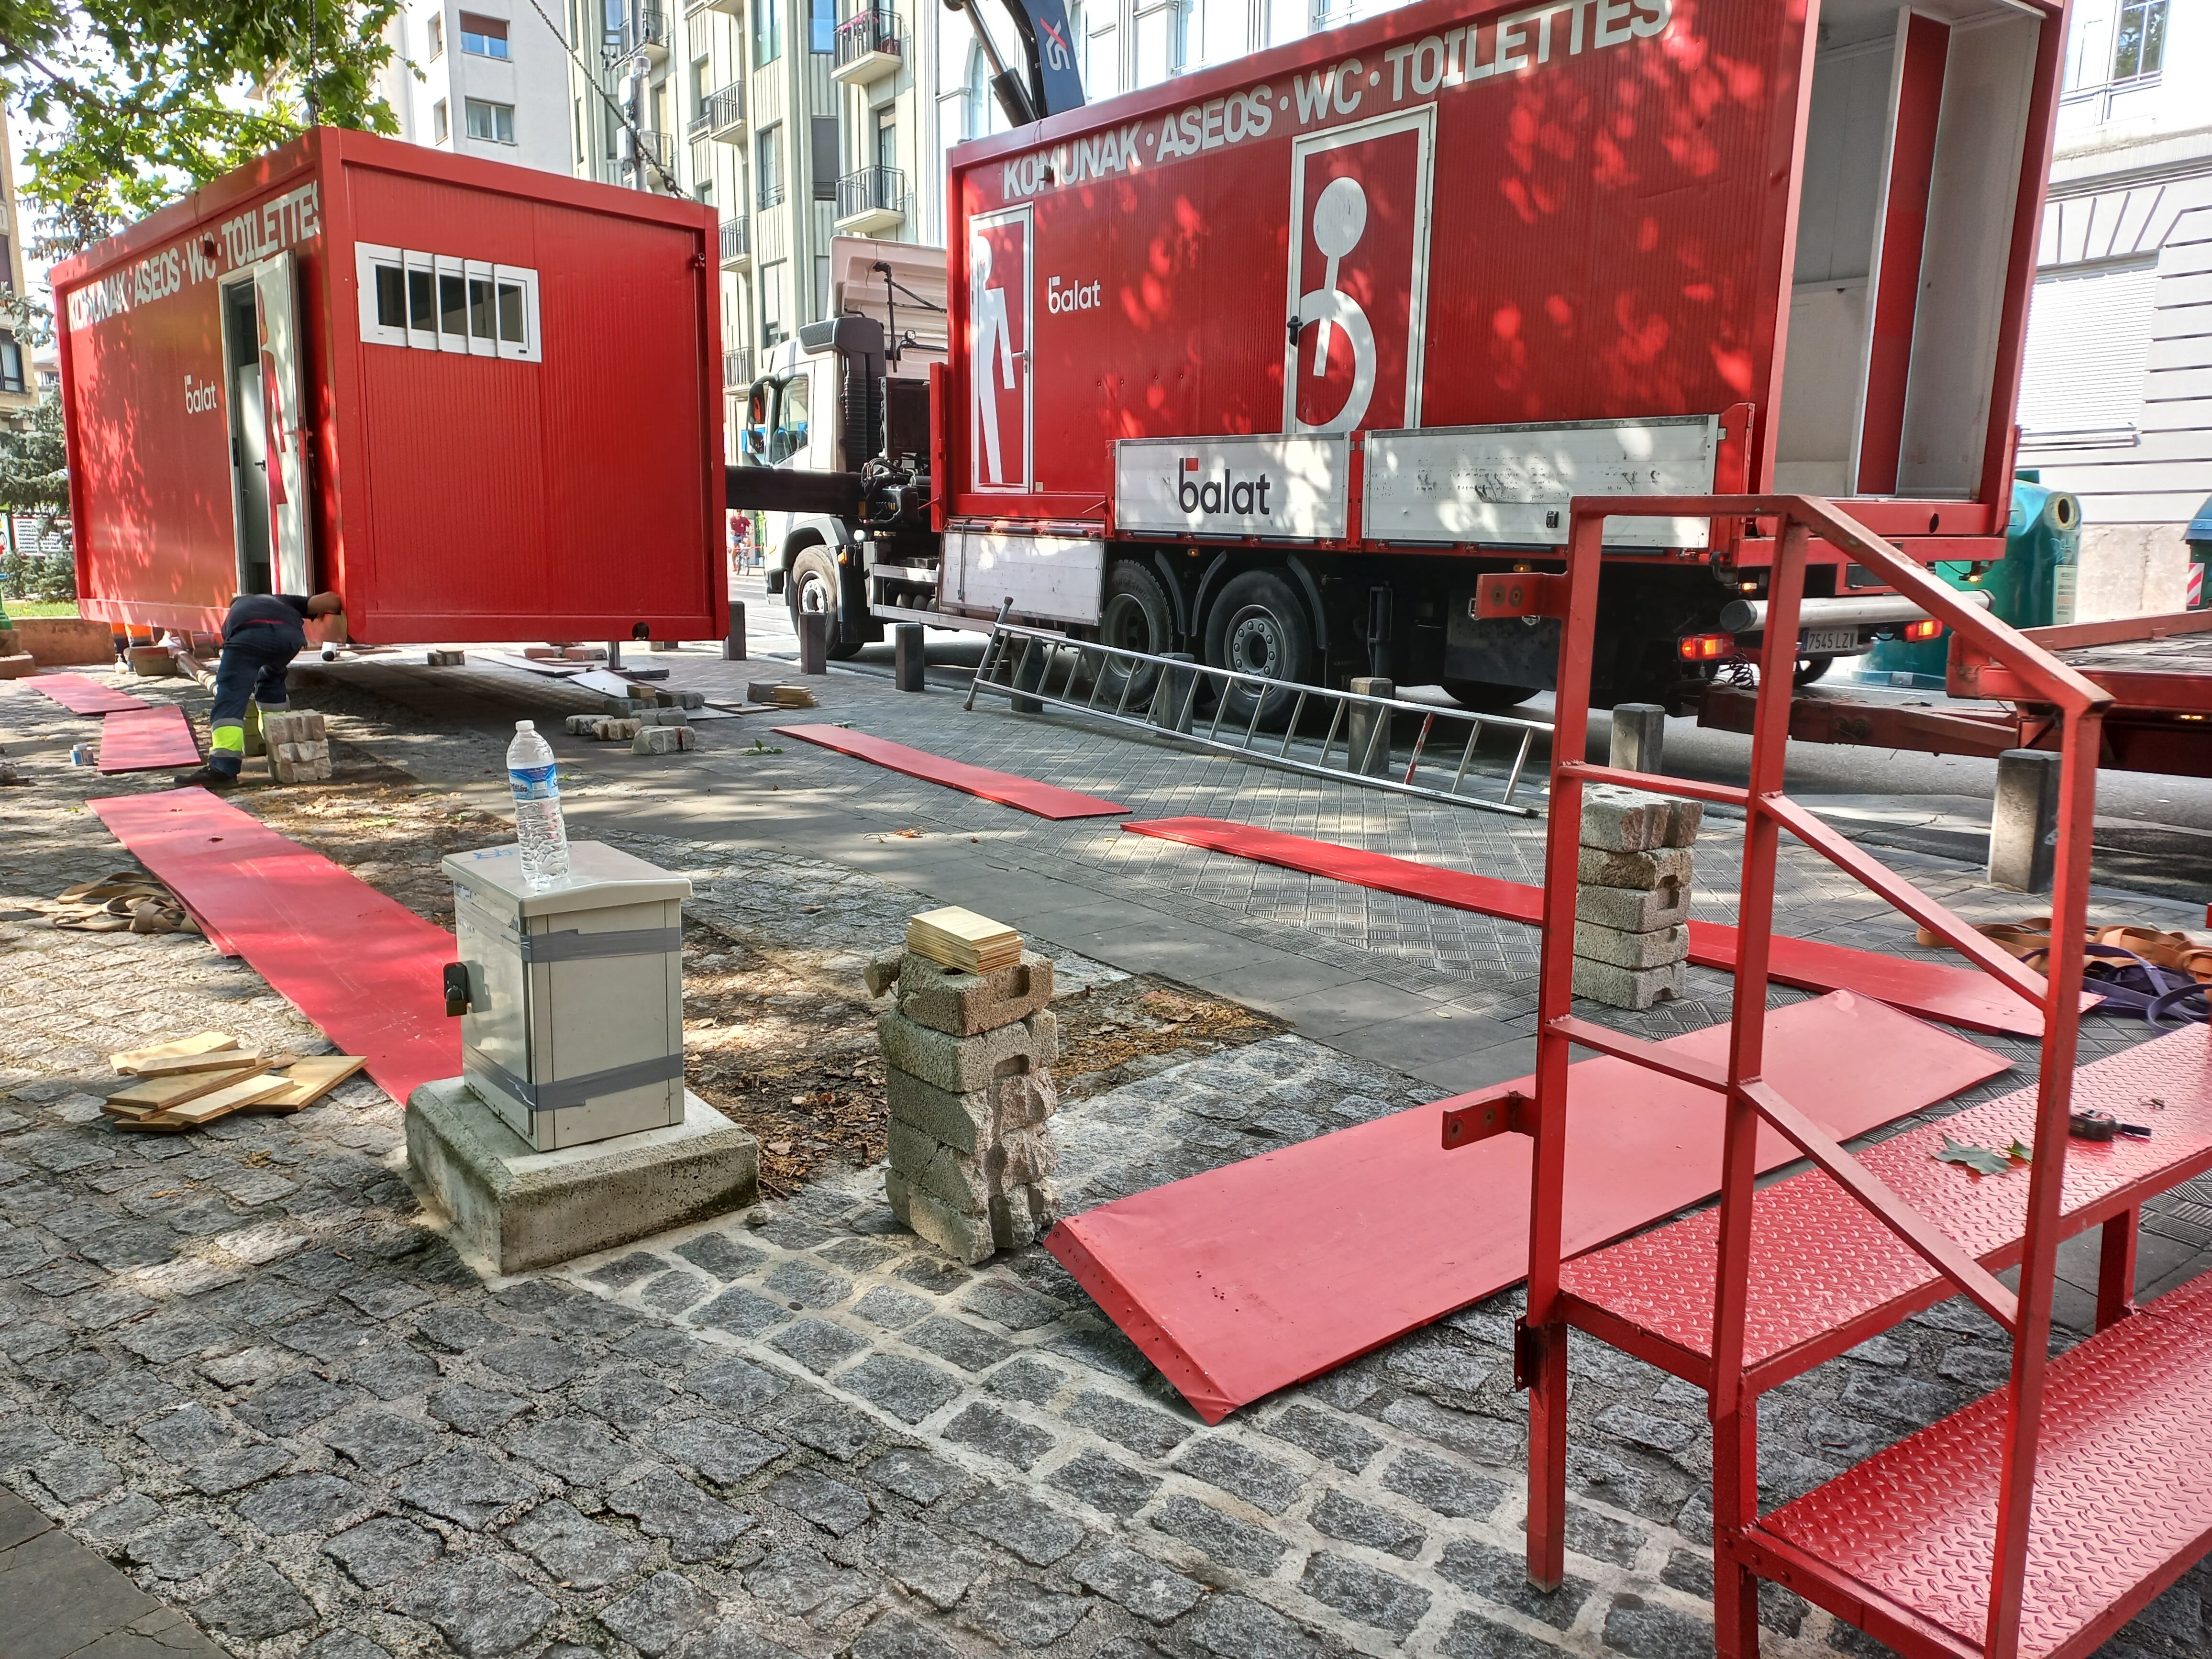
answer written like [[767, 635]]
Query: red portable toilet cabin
[[480, 401]]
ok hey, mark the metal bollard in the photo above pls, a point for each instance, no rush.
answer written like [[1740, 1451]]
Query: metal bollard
[[813, 641], [1367, 731], [1639, 738], [908, 664], [1172, 702], [2024, 821], [734, 645], [614, 655]]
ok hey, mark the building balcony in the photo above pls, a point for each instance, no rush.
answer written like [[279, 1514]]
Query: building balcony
[[725, 115], [871, 201], [870, 45], [646, 31], [697, 129], [770, 194], [738, 367], [648, 148], [737, 244]]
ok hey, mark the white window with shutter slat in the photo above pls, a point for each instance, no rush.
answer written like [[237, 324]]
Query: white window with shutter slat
[[2088, 347]]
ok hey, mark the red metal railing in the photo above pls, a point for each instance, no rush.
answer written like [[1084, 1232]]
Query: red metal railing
[[1749, 1100]]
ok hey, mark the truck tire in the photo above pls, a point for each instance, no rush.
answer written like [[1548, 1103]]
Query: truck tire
[[812, 585], [1812, 668], [1258, 625], [1487, 697], [1135, 615]]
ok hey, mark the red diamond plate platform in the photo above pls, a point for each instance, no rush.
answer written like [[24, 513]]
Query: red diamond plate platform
[[1653, 1294], [2123, 1493]]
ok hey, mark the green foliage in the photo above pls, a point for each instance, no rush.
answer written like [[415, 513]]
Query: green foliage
[[47, 581], [131, 103], [34, 464]]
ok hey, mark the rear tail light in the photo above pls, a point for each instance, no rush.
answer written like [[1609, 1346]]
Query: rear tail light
[[1926, 629], [1707, 647]]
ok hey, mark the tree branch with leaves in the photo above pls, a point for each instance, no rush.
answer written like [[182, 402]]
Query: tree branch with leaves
[[131, 103]]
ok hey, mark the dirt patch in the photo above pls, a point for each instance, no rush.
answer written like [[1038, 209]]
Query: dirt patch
[[769, 1041]]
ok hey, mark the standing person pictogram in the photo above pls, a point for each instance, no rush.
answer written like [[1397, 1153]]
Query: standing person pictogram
[[990, 350]]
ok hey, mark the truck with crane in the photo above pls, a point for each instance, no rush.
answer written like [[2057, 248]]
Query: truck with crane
[[1272, 361]]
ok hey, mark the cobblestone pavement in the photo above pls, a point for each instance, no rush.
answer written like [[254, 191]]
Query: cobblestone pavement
[[244, 1365]]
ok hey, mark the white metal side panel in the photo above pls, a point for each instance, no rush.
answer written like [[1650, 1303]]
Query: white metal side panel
[[1055, 578], [1282, 488], [1512, 484]]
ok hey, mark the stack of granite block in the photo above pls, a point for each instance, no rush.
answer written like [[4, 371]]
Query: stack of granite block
[[1633, 895], [968, 1061]]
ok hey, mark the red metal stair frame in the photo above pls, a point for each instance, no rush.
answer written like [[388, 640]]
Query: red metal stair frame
[[1749, 1100]]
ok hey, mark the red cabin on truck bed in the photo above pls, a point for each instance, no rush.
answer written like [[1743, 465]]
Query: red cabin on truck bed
[[482, 402], [1358, 316]]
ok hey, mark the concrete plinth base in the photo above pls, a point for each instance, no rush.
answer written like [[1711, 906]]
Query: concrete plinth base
[[519, 1209]]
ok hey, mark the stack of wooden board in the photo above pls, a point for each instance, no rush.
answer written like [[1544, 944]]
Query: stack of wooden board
[[194, 1080], [962, 939]]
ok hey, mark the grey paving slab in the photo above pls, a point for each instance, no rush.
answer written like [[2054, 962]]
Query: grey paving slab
[[860, 1473]]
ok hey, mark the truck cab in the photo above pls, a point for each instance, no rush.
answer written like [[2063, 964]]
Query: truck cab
[[844, 523]]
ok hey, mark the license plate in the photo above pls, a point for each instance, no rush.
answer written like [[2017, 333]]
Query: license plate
[[1830, 641]]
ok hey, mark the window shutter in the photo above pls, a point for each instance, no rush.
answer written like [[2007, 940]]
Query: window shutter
[[825, 158], [2088, 346]]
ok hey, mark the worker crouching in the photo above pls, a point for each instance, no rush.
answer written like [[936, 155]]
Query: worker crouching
[[261, 635]]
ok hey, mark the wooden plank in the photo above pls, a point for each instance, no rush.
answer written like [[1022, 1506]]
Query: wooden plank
[[307, 1081], [223, 1101], [960, 939], [216, 1060], [206, 1042], [159, 1094]]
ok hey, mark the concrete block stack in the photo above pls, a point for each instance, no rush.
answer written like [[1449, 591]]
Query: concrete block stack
[[1633, 880], [968, 1062], [298, 747], [664, 738]]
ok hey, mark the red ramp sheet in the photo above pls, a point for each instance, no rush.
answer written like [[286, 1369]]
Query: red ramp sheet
[[1264, 1273], [147, 740], [1965, 997], [1046, 800], [363, 968], [83, 695]]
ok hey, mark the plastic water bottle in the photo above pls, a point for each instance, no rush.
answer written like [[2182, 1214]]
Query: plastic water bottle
[[537, 827]]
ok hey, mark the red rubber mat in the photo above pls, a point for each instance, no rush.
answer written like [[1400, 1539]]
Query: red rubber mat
[[1261, 1274], [1046, 800], [81, 695], [363, 968], [2122, 1504], [147, 740], [1964, 996]]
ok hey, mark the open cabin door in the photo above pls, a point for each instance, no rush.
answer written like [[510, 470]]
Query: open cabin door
[[1913, 146], [280, 444]]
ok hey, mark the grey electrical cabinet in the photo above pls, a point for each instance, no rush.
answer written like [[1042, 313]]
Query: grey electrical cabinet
[[574, 1026]]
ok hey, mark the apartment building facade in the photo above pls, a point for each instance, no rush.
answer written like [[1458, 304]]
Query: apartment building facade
[[488, 79], [798, 121], [19, 384], [2115, 401]]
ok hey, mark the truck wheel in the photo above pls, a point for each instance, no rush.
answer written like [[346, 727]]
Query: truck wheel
[[1135, 616], [1258, 626], [1487, 697], [812, 585], [1811, 668]]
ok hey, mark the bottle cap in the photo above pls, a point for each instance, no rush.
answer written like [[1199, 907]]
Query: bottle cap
[[526, 725]]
